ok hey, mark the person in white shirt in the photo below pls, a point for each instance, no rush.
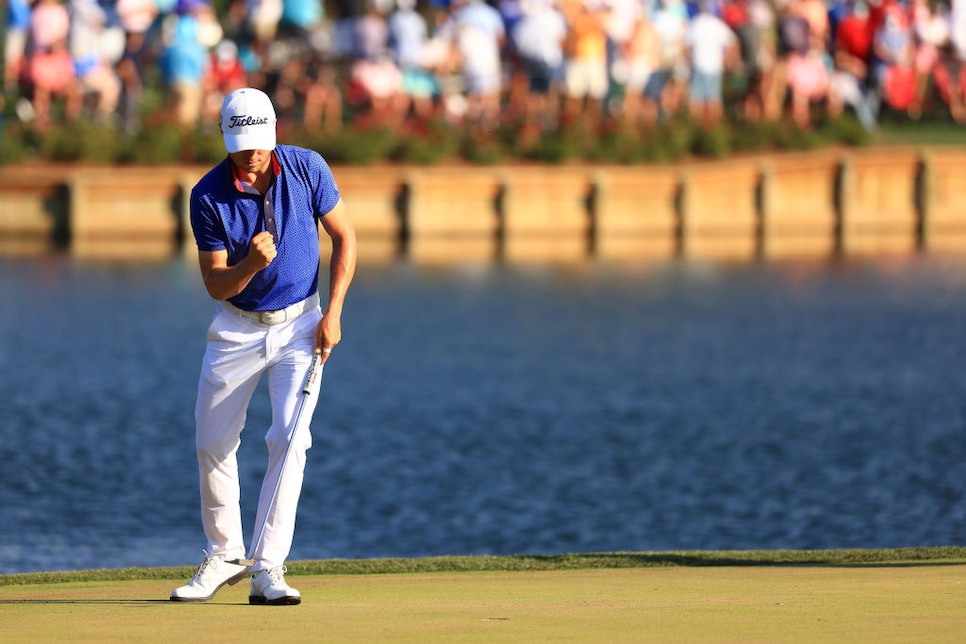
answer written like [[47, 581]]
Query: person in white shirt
[[476, 34], [711, 45], [538, 38], [408, 36], [663, 89]]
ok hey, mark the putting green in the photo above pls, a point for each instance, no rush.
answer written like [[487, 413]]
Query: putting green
[[919, 602]]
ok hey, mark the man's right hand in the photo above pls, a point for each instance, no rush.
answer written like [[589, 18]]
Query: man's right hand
[[261, 250]]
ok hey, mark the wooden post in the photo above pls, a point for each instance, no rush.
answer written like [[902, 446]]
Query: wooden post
[[184, 209], [681, 207], [843, 195], [924, 187], [765, 203], [76, 199], [595, 197]]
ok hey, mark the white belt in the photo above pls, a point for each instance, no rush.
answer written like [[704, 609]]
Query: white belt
[[278, 316]]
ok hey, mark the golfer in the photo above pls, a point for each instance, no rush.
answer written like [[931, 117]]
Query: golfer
[[255, 219]]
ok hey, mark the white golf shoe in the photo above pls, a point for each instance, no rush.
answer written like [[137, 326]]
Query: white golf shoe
[[211, 575], [269, 587]]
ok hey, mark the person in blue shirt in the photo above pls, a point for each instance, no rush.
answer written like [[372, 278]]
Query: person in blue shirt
[[255, 219], [15, 43], [183, 63]]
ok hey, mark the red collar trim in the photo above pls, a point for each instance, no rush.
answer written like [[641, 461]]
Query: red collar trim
[[241, 185]]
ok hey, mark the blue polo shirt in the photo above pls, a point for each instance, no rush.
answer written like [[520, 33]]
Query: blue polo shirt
[[224, 216]]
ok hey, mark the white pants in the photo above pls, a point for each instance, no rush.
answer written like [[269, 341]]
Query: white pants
[[238, 351]]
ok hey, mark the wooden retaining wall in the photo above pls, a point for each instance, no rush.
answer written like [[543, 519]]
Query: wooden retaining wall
[[894, 200]]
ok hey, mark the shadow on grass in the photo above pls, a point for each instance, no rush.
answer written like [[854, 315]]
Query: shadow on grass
[[134, 602]]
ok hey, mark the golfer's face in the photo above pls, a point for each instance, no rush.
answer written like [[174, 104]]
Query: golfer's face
[[251, 160]]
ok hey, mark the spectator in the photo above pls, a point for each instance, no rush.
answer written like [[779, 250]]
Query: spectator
[[953, 58], [892, 59], [931, 31], [815, 13], [538, 38], [805, 72], [263, 18], [958, 29], [948, 73], [762, 15], [712, 45], [223, 74], [50, 67], [210, 31], [184, 62], [345, 36], [852, 49], [474, 31], [320, 93], [300, 19], [489, 61], [372, 31], [375, 75], [792, 40], [514, 75], [663, 92], [408, 36], [620, 20], [95, 49], [642, 54], [136, 17], [877, 9], [15, 43], [748, 74], [309, 79], [585, 75], [950, 78], [130, 71], [445, 62]]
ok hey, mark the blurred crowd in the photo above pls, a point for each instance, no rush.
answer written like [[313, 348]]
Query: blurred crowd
[[544, 63]]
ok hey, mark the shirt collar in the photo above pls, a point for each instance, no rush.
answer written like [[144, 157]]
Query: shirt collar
[[241, 186]]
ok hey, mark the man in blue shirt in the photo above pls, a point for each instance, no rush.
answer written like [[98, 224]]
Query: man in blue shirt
[[255, 219]]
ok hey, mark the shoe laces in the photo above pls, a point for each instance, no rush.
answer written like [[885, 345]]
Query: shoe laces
[[277, 574], [206, 563]]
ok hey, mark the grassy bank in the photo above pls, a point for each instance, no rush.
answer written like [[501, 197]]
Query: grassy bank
[[433, 143], [904, 595], [523, 563]]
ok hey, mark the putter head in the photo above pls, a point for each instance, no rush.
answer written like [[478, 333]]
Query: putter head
[[242, 562]]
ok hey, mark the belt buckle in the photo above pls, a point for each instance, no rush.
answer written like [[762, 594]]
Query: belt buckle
[[272, 317]]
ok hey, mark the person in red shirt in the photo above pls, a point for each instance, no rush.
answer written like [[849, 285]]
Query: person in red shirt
[[878, 10], [852, 52], [225, 74], [853, 41]]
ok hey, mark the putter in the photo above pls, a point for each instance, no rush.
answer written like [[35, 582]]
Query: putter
[[313, 383]]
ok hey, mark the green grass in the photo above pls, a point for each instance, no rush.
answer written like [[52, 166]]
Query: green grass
[[896, 595], [920, 134], [520, 563]]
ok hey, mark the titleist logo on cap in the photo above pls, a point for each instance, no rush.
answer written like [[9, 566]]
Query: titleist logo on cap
[[243, 120]]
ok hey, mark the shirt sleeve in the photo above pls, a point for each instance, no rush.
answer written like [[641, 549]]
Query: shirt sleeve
[[326, 193], [206, 225]]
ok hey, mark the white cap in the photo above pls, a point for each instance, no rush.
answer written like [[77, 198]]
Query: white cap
[[248, 120]]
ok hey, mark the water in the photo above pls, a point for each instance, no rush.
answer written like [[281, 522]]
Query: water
[[504, 410]]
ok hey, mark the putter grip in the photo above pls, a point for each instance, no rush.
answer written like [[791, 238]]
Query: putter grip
[[313, 380]]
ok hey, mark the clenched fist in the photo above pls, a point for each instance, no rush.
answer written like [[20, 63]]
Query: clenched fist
[[262, 250]]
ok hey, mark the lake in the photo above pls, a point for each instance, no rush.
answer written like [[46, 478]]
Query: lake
[[504, 409]]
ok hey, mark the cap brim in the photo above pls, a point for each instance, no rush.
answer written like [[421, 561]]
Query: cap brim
[[239, 142]]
